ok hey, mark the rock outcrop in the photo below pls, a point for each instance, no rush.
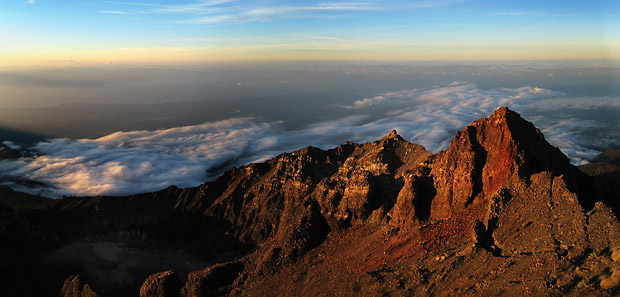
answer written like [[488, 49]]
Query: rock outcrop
[[486, 155], [500, 212], [74, 286], [162, 284], [212, 281]]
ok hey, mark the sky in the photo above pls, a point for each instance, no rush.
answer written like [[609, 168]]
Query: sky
[[61, 32]]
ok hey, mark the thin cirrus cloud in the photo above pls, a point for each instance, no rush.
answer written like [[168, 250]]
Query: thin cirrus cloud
[[114, 12], [201, 7], [220, 11], [271, 12], [142, 161]]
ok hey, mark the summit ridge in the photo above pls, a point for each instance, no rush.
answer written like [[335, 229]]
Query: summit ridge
[[500, 211]]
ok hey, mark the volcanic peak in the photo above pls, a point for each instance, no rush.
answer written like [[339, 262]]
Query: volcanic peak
[[385, 218]]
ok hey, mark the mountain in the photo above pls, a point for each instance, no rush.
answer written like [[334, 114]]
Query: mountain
[[500, 212]]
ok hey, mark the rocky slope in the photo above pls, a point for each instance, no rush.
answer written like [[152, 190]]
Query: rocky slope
[[500, 212]]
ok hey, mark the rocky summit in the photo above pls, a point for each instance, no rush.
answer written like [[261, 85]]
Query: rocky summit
[[501, 212]]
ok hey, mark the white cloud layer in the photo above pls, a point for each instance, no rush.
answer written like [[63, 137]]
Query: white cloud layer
[[142, 161]]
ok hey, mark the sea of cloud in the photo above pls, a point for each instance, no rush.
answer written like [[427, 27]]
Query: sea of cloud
[[142, 161]]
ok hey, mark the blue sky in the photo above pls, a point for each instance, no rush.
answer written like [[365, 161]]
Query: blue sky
[[40, 31]]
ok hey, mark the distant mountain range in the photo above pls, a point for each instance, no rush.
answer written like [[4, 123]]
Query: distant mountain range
[[500, 212]]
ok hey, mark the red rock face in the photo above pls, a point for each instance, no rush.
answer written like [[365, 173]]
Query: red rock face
[[484, 156]]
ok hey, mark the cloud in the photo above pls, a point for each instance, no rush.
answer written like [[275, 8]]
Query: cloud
[[215, 19], [518, 13], [383, 99], [200, 7], [142, 161], [238, 14], [11, 145], [114, 12], [328, 6], [226, 11], [329, 38], [432, 117]]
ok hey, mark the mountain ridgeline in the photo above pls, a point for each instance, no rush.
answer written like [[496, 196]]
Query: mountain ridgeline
[[500, 212]]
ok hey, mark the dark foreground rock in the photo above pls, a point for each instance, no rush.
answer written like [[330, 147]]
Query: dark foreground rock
[[74, 286], [500, 212], [162, 284]]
